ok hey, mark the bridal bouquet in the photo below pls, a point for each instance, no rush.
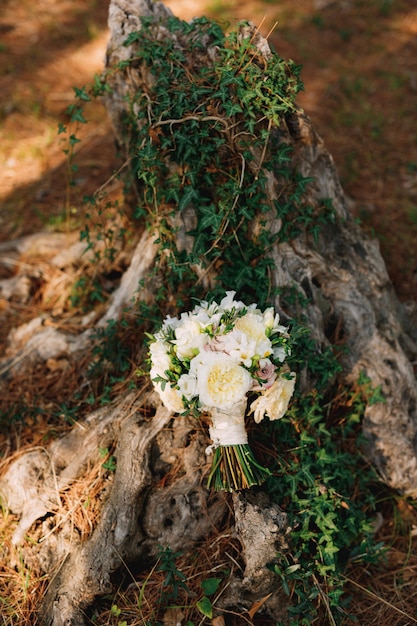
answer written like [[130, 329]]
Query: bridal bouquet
[[225, 360]]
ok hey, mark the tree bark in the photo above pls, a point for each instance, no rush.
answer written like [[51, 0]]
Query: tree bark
[[343, 276], [342, 273]]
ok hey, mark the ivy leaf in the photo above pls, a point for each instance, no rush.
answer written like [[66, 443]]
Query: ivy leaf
[[189, 194], [210, 585], [81, 94], [205, 607]]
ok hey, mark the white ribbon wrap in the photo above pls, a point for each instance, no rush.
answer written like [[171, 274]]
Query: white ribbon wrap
[[228, 426]]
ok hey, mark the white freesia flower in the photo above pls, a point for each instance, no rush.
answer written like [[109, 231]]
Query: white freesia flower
[[228, 302], [170, 323], [239, 346], [208, 315], [271, 321], [252, 325], [269, 318], [221, 381], [187, 386], [274, 401]]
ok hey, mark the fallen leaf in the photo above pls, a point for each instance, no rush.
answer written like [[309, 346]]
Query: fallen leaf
[[257, 605]]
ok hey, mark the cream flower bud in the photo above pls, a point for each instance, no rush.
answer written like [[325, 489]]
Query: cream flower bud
[[279, 353], [270, 318], [267, 373]]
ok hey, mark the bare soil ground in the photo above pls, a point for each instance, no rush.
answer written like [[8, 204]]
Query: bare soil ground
[[359, 62]]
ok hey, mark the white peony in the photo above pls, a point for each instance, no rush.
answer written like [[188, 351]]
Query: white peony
[[274, 401], [221, 381]]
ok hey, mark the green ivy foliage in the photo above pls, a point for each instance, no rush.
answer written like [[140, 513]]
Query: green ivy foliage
[[203, 137]]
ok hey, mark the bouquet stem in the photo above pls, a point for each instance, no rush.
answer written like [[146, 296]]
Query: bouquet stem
[[234, 466]]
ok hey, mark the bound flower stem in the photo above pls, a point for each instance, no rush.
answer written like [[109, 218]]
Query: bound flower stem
[[234, 468], [234, 465]]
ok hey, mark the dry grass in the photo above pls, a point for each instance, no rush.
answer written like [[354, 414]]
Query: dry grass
[[23, 581], [143, 598]]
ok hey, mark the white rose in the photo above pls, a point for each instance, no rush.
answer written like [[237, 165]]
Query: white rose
[[279, 353], [189, 338], [169, 396], [274, 402], [187, 386], [161, 361], [221, 381]]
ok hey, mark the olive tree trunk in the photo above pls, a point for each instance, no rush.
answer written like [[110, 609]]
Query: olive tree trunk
[[158, 495]]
